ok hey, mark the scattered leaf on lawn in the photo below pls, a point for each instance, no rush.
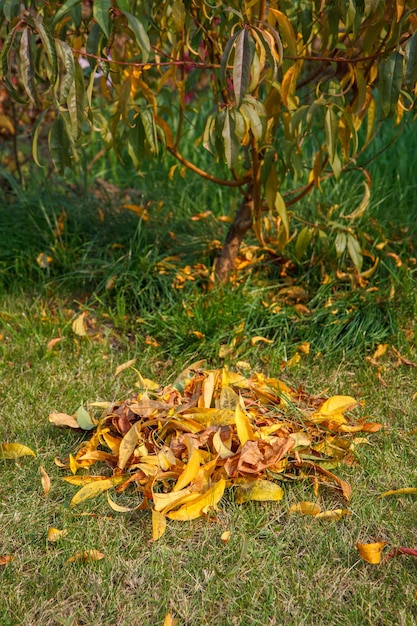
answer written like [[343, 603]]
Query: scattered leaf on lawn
[[85, 555], [52, 342], [225, 537], [159, 524], [6, 559], [54, 534], [334, 514], [380, 350], [398, 492], [84, 419], [63, 419], [46, 481], [124, 366], [170, 620], [371, 552], [14, 451], [261, 490], [78, 325], [305, 508], [259, 339]]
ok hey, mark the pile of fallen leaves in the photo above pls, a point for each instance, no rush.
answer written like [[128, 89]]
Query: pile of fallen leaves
[[179, 447]]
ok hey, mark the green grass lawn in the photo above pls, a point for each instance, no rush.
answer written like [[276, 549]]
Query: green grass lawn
[[277, 568]]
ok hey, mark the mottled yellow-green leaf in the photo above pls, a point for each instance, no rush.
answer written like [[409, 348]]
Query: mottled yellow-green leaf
[[14, 451], [91, 490], [261, 490], [86, 555]]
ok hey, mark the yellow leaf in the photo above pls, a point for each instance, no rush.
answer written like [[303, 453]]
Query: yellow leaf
[[159, 524], [78, 325], [86, 555], [119, 508], [170, 620], [222, 450], [225, 536], [294, 360], [336, 405], [399, 492], [243, 426], [14, 451], [304, 347], [201, 505], [189, 472], [54, 534], [371, 552], [83, 480], [380, 350], [261, 490], [46, 481], [165, 501], [124, 366], [305, 508], [258, 338], [91, 490], [334, 514], [128, 445], [62, 419]]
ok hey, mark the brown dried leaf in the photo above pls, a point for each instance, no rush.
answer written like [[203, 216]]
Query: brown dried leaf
[[46, 481], [63, 419]]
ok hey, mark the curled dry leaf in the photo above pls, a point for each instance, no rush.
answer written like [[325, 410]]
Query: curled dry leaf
[[63, 419], [371, 552], [124, 366], [14, 451], [52, 342], [305, 508], [46, 481], [85, 555]]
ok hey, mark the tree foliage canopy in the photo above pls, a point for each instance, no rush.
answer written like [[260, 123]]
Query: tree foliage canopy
[[283, 94]]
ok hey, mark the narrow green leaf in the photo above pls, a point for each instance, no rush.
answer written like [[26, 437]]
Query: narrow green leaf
[[35, 136], [150, 130], [331, 126], [282, 212], [410, 74], [263, 43], [66, 8], [124, 97], [60, 144], [389, 84], [136, 142], [76, 102], [241, 66], [257, 125], [226, 56], [355, 251], [140, 33], [47, 45], [92, 46], [6, 64], [230, 143], [303, 239], [340, 244], [101, 12], [27, 71]]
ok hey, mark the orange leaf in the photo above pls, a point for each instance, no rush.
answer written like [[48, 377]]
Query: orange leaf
[[225, 536], [6, 559], [170, 620], [257, 339], [52, 342], [371, 552], [124, 366], [46, 481]]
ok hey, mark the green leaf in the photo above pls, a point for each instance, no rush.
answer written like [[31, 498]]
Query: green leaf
[[256, 123], [47, 46], [92, 46], [263, 43], [101, 12], [389, 85], [355, 251], [150, 130], [27, 71], [60, 144], [226, 56], [35, 136], [66, 8], [230, 143], [282, 212], [303, 239], [340, 244], [241, 66], [331, 127], [76, 102], [140, 33], [84, 419]]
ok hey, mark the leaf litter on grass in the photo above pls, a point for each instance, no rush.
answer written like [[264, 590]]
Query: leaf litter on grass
[[180, 446]]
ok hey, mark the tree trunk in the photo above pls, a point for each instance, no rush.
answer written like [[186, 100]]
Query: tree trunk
[[225, 261]]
